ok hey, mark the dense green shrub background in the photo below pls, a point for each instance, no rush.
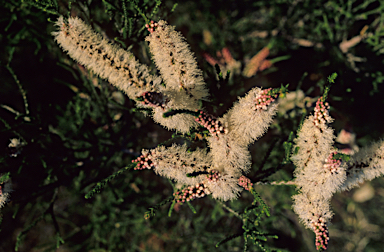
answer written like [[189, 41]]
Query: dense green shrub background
[[80, 130]]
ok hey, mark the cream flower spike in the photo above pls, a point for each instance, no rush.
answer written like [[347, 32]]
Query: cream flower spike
[[251, 116], [175, 61], [175, 162], [365, 165], [105, 59], [184, 84], [246, 122]]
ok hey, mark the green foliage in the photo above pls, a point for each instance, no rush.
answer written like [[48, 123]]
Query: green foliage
[[288, 145], [50, 6], [100, 185], [252, 224], [342, 156], [49, 210], [4, 177], [331, 79], [151, 211]]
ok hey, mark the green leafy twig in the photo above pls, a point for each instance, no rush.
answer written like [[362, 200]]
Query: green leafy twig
[[23, 93], [126, 21], [151, 210], [26, 230], [258, 199], [288, 145], [100, 185], [251, 218], [4, 177], [229, 238], [156, 8], [140, 11], [332, 78], [171, 208], [44, 7], [191, 207], [230, 210]]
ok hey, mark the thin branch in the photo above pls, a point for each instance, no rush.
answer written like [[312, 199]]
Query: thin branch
[[230, 210], [20, 88], [289, 183]]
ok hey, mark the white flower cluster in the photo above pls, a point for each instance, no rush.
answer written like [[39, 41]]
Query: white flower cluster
[[320, 173], [228, 155], [15, 147], [365, 165], [180, 86]]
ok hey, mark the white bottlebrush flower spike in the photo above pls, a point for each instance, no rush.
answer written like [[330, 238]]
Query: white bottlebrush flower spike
[[175, 163], [315, 181], [366, 164], [256, 108], [320, 172], [102, 57], [175, 61]]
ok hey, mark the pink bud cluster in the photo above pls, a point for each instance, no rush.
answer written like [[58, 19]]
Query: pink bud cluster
[[191, 193], [321, 231], [264, 99], [331, 163], [144, 162], [214, 126], [153, 99], [151, 26], [245, 182], [213, 176], [321, 115]]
